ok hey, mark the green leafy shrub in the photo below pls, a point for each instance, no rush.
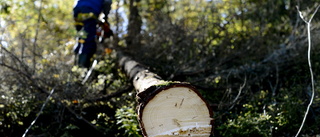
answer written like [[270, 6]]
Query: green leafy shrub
[[247, 123], [127, 120]]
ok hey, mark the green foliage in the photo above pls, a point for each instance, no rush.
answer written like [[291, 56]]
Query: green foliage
[[4, 7], [263, 117], [218, 46], [127, 120], [250, 123]]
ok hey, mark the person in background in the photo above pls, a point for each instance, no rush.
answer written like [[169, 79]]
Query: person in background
[[86, 13]]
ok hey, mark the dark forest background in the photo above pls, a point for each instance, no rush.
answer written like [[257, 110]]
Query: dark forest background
[[248, 58]]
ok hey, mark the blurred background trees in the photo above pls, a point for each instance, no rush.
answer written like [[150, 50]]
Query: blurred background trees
[[247, 57]]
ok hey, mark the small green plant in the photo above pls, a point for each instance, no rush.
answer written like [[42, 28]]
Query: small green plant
[[247, 123], [127, 120]]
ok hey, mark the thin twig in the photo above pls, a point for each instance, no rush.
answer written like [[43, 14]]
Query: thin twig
[[89, 72], [39, 113], [239, 93], [309, 62], [36, 37]]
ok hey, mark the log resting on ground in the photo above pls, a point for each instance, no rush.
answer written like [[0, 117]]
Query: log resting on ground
[[167, 108]]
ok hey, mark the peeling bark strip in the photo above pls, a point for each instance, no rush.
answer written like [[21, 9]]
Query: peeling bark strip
[[167, 108]]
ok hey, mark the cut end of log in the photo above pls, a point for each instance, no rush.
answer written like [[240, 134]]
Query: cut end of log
[[176, 111], [192, 131]]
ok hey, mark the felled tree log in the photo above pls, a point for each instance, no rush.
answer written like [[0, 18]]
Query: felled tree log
[[167, 108]]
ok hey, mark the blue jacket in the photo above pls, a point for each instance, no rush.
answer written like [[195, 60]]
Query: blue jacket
[[95, 5]]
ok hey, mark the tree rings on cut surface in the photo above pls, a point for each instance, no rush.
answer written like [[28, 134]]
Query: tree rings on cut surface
[[175, 110]]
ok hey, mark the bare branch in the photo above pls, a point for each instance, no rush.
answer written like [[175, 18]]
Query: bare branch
[[239, 93], [39, 113], [310, 67]]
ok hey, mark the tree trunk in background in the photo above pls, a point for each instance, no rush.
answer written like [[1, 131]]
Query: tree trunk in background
[[134, 26], [167, 108]]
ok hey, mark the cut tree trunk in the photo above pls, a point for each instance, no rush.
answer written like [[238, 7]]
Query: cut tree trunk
[[167, 108]]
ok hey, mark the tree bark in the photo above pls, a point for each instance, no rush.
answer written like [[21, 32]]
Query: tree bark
[[167, 108]]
